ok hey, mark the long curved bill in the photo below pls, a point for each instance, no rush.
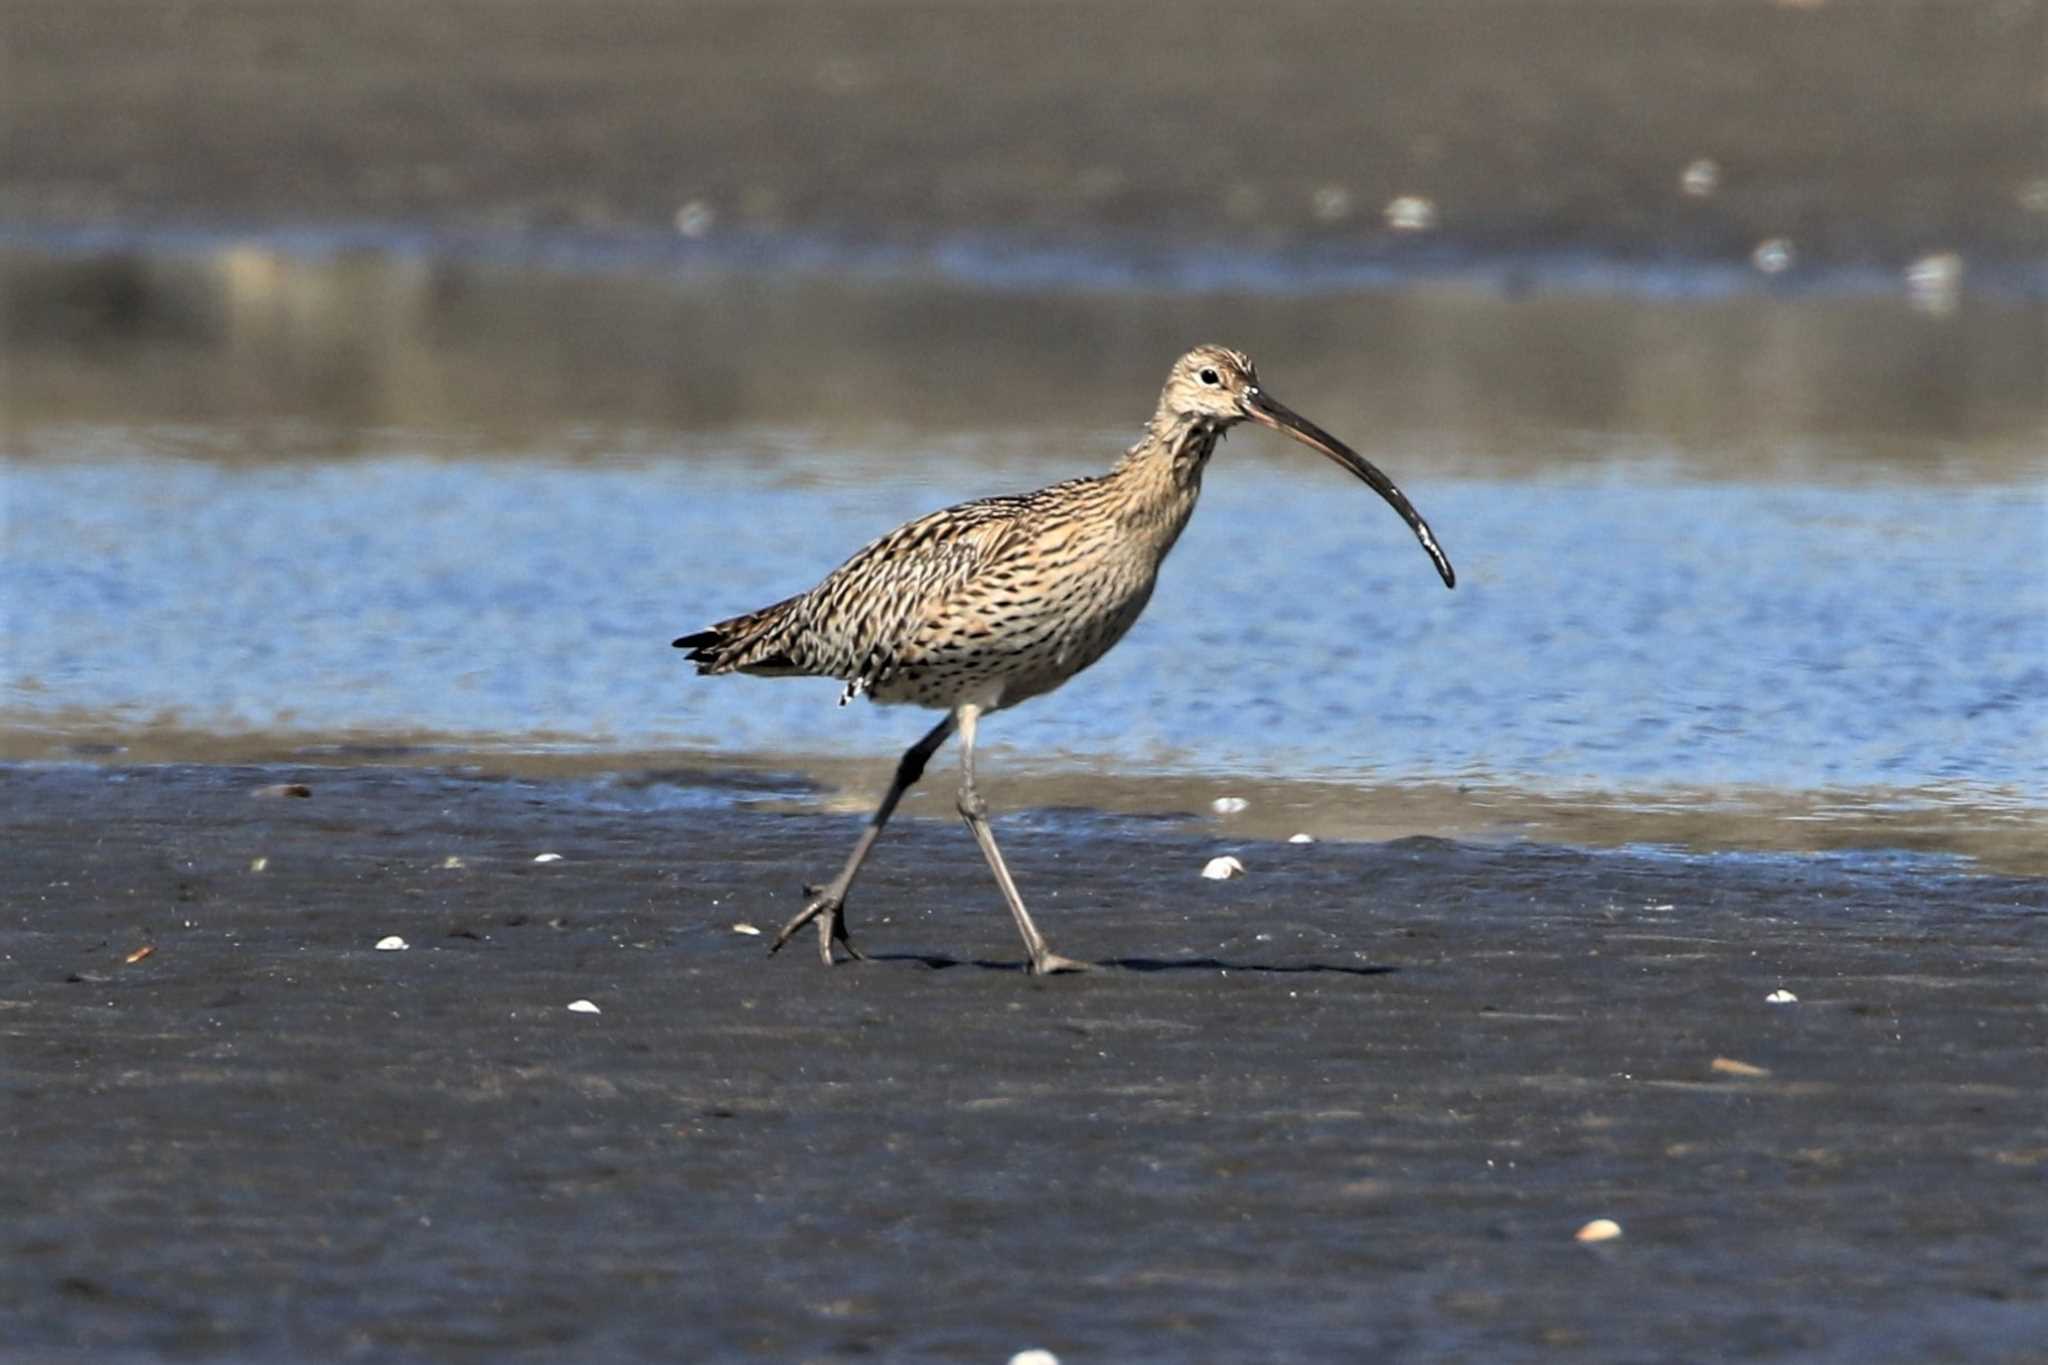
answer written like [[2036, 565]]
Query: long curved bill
[[1268, 411]]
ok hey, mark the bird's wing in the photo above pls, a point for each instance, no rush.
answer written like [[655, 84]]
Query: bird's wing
[[868, 612]]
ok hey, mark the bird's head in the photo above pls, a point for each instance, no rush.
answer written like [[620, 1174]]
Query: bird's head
[[1217, 387], [1207, 385]]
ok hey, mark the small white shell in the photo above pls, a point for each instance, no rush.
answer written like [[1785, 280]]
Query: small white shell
[[1934, 284], [742, 927], [1228, 805], [547, 857], [392, 944], [1773, 255], [1223, 869], [1599, 1230], [1331, 203], [258, 864], [695, 218], [583, 1007], [1781, 996], [1035, 1356], [451, 861], [1411, 213], [1302, 838]]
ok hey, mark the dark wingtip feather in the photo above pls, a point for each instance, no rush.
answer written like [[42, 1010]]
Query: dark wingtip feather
[[736, 645], [704, 647]]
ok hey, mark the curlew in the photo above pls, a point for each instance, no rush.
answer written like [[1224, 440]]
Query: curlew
[[981, 606]]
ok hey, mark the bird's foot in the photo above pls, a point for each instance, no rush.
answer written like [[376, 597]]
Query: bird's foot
[[829, 912], [1047, 963]]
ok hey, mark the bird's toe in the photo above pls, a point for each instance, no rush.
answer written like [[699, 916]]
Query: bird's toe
[[819, 905]]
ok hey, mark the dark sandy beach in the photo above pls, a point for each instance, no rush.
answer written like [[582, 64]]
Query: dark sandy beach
[[1352, 1105]]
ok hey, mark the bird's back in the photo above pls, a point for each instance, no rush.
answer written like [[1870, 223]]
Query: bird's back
[[868, 605]]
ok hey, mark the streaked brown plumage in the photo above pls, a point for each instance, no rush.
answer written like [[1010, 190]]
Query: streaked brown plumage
[[990, 603]]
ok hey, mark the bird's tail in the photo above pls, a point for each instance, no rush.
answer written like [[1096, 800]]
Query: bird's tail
[[748, 643]]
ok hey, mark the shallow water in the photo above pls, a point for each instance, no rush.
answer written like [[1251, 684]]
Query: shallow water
[[1765, 549], [1616, 631]]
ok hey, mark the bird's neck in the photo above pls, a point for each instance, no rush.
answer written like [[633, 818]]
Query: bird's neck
[[1161, 475], [1174, 449]]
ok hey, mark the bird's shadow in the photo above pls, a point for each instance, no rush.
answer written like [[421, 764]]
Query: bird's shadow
[[939, 962]]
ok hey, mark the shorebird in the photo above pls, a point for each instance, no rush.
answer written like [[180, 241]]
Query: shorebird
[[978, 607]]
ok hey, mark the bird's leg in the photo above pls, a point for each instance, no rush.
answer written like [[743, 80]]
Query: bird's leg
[[974, 811], [828, 904]]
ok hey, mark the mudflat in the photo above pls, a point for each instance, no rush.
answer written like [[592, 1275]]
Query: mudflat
[[1858, 133], [1353, 1104]]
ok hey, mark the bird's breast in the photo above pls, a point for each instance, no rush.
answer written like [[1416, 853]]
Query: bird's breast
[[1029, 625]]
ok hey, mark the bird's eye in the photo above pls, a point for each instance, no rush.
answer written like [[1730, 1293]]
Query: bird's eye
[[1209, 377]]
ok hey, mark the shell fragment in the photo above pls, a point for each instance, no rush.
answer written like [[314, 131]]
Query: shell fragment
[[1729, 1066]]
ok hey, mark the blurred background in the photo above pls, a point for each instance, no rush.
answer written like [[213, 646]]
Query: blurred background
[[391, 381]]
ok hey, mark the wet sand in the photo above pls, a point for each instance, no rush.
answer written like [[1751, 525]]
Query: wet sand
[[1865, 133], [1351, 1105], [254, 351]]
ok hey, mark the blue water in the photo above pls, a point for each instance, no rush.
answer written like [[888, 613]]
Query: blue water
[[1612, 628]]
